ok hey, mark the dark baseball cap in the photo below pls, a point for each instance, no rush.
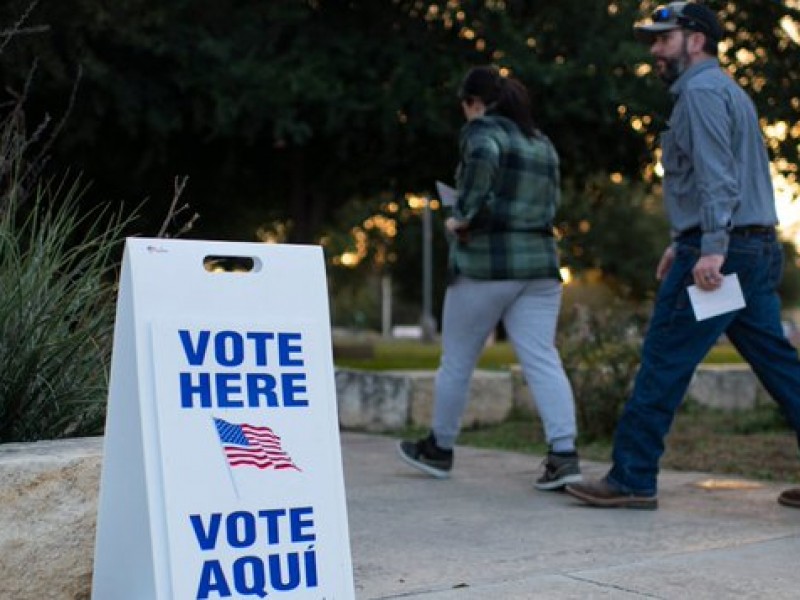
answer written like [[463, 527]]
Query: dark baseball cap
[[680, 15]]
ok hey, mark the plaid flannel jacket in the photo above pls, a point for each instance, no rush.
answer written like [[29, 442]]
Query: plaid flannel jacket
[[508, 190]]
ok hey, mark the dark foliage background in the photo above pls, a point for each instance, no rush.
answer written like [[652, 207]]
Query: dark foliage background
[[283, 114]]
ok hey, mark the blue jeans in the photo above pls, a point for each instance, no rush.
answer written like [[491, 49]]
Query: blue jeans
[[676, 343]]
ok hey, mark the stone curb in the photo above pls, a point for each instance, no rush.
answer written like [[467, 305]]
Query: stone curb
[[381, 401]]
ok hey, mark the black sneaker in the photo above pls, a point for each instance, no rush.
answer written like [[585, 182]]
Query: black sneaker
[[426, 456], [559, 470]]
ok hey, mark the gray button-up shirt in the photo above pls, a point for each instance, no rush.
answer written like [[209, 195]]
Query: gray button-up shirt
[[716, 169]]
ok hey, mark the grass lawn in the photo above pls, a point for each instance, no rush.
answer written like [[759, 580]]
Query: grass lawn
[[757, 443], [405, 354]]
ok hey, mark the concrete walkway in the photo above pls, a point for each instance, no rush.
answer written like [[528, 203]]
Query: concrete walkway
[[487, 534]]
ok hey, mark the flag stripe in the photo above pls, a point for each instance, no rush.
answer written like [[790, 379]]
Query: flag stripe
[[250, 445]]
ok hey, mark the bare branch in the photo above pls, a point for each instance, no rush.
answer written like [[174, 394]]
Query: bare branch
[[17, 29], [24, 156], [6, 33], [38, 162], [174, 211]]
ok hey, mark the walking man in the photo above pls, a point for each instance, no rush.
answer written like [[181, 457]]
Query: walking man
[[719, 199]]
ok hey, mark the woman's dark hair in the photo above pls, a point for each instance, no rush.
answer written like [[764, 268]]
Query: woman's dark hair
[[502, 95]]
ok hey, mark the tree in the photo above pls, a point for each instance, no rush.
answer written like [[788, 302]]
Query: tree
[[616, 227], [285, 109], [283, 112]]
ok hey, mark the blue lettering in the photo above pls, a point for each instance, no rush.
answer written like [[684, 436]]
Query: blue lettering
[[261, 385], [227, 384], [290, 382], [243, 523], [228, 390], [297, 524], [202, 389], [194, 354], [212, 579], [272, 516], [207, 538], [258, 587], [286, 349], [260, 339], [229, 348], [247, 575], [293, 564], [311, 567]]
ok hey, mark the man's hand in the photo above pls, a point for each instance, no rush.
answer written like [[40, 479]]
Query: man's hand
[[665, 263], [707, 273]]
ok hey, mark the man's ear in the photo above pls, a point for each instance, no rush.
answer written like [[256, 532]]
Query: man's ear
[[696, 42]]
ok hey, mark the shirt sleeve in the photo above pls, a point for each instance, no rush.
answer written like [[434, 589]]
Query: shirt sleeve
[[556, 174], [714, 166], [480, 163]]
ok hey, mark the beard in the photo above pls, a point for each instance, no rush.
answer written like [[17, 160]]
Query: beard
[[672, 69]]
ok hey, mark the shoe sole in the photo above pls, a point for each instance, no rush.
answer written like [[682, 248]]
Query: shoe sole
[[427, 469], [636, 502], [789, 503], [558, 484]]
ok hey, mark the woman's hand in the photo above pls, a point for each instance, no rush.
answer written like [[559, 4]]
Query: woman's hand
[[458, 228]]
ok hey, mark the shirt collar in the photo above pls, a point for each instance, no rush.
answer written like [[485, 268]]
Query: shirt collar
[[704, 65]]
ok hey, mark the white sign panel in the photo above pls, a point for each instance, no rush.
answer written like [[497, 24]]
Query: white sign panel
[[222, 470]]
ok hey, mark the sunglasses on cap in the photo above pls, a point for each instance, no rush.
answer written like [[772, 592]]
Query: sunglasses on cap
[[669, 14]]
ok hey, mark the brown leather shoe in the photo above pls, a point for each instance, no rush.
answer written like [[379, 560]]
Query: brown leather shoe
[[790, 498], [601, 493]]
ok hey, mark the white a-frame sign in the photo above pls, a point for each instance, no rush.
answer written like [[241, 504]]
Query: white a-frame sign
[[222, 472]]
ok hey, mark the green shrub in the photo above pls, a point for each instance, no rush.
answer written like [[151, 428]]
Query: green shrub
[[56, 316], [600, 352], [57, 277]]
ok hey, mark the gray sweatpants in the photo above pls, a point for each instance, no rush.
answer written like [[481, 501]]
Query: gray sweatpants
[[529, 312]]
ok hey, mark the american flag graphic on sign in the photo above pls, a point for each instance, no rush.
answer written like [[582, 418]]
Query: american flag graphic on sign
[[248, 445]]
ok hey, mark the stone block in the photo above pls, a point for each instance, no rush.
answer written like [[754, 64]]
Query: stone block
[[730, 387], [491, 397], [392, 400], [48, 508], [372, 400]]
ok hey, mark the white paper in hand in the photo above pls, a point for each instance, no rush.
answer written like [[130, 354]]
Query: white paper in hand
[[446, 194], [726, 298]]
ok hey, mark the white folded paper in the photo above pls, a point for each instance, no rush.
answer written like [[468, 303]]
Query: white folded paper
[[726, 298], [446, 194]]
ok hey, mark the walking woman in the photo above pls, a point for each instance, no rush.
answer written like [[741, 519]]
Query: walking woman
[[503, 265]]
